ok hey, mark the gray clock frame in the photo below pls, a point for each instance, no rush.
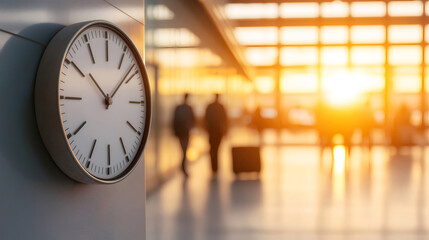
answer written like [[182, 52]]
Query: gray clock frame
[[47, 103]]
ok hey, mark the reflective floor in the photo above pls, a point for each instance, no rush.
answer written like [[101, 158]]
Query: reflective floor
[[302, 193]]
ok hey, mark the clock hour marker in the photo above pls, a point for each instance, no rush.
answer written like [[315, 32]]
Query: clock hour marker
[[137, 102], [120, 62], [107, 50], [71, 98], [69, 135], [90, 53], [79, 128], [135, 130], [122, 144], [87, 164], [129, 79], [92, 148], [108, 154], [127, 159], [107, 46], [67, 61], [78, 69], [108, 171], [85, 37]]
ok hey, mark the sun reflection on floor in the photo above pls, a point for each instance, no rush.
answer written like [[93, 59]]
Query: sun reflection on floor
[[338, 177]]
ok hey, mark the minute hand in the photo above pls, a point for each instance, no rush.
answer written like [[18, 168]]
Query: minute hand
[[123, 79]]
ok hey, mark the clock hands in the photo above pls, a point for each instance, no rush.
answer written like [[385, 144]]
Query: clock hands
[[123, 79], [107, 100], [98, 86]]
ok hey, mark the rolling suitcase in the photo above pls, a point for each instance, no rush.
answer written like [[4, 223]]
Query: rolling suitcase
[[246, 159]]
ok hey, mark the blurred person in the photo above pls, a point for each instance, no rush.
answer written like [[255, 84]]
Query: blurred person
[[348, 121], [184, 121], [323, 125], [367, 123], [402, 132], [257, 122], [216, 123]]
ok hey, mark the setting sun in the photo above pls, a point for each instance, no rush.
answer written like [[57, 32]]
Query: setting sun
[[343, 87]]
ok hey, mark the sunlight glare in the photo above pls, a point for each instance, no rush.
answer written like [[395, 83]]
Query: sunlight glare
[[339, 153], [342, 87], [339, 159]]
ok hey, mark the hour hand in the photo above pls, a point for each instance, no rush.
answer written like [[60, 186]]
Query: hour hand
[[98, 86], [107, 100]]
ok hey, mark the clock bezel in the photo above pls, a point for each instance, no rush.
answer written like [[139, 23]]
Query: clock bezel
[[47, 102]]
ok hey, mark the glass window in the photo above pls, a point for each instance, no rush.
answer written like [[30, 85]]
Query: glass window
[[169, 37], [334, 55], [299, 10], [405, 33], [334, 34], [406, 79], [334, 9], [264, 84], [159, 12], [405, 8], [188, 57], [299, 35], [405, 55], [367, 55], [251, 10], [368, 34], [256, 35], [368, 9], [298, 56], [299, 80], [261, 56], [371, 79]]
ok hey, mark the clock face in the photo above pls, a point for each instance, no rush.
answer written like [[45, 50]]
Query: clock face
[[103, 102]]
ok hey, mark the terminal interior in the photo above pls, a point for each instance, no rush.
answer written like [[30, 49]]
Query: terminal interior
[[342, 93]]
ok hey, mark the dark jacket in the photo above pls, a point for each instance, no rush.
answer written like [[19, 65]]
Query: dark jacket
[[216, 119], [184, 120]]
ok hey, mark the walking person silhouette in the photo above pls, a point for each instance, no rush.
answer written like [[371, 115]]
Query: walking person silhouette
[[216, 123], [184, 121]]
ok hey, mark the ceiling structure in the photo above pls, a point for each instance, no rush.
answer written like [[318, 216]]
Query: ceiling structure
[[299, 46], [306, 47]]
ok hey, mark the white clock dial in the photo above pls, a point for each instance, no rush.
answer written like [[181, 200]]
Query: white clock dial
[[102, 102]]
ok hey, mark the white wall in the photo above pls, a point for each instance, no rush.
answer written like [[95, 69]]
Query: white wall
[[37, 201]]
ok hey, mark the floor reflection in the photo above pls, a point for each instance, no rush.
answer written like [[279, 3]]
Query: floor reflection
[[301, 194]]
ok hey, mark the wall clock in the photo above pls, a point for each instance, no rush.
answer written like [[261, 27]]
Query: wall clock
[[92, 102]]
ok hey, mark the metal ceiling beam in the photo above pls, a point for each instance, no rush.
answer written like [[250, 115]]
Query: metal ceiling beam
[[332, 45], [296, 22], [225, 28], [297, 1], [191, 14]]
